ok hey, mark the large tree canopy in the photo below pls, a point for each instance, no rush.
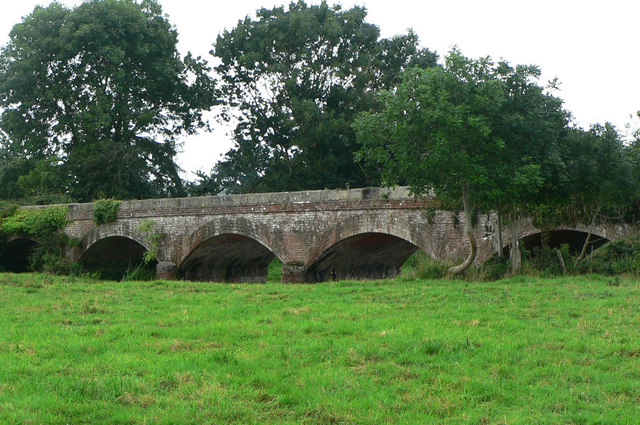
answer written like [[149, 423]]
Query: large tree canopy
[[477, 133], [98, 94], [294, 79]]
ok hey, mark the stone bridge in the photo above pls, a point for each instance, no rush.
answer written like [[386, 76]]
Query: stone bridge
[[318, 235]]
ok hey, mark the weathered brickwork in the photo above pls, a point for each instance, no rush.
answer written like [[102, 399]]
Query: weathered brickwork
[[318, 235]]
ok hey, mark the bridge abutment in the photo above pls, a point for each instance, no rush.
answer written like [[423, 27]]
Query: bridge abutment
[[294, 273], [166, 270]]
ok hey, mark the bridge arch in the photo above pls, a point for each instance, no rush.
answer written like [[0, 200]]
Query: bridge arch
[[229, 250], [364, 246], [573, 235], [112, 249], [15, 253]]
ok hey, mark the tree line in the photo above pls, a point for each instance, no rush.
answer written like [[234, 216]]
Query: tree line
[[95, 98]]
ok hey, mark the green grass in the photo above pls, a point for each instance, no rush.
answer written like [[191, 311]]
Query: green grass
[[519, 351]]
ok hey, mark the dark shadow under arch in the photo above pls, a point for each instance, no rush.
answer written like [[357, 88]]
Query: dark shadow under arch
[[362, 256], [112, 256], [15, 255], [228, 257], [556, 238]]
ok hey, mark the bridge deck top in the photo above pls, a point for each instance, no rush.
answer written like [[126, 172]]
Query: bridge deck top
[[259, 202]]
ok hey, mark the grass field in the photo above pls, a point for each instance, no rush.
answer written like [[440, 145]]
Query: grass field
[[519, 351]]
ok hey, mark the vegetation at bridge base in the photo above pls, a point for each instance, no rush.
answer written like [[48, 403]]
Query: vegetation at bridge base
[[517, 351], [619, 258]]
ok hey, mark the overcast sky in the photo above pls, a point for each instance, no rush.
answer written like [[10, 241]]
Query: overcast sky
[[590, 46]]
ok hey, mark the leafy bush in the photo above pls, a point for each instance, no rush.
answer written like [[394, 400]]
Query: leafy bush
[[147, 227], [48, 255], [421, 266], [494, 269], [545, 262], [36, 222], [274, 273], [105, 211], [617, 257]]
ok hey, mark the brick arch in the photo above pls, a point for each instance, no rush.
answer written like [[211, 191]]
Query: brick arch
[[15, 252], [112, 249], [489, 248], [531, 231], [230, 249], [367, 223], [233, 226], [14, 236], [364, 246], [111, 230]]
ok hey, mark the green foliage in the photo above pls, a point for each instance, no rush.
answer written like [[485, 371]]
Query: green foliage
[[48, 256], [469, 123], [7, 209], [93, 99], [294, 78], [147, 228], [44, 225], [482, 134], [493, 269], [421, 266], [142, 272], [105, 211], [517, 351], [44, 180], [602, 171], [620, 257], [544, 261], [36, 222], [600, 182], [274, 273]]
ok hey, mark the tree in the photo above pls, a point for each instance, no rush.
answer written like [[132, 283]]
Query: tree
[[603, 180], [531, 169], [294, 80], [100, 93], [462, 131]]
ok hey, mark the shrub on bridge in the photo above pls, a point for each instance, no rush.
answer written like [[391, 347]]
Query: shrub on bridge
[[37, 222], [105, 211]]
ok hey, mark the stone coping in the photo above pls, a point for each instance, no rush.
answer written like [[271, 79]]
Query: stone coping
[[300, 198]]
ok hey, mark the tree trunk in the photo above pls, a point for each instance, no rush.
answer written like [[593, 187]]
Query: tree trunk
[[468, 227], [583, 252], [515, 255], [561, 260], [500, 241]]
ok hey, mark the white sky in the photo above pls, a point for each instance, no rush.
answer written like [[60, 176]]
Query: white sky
[[591, 46]]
